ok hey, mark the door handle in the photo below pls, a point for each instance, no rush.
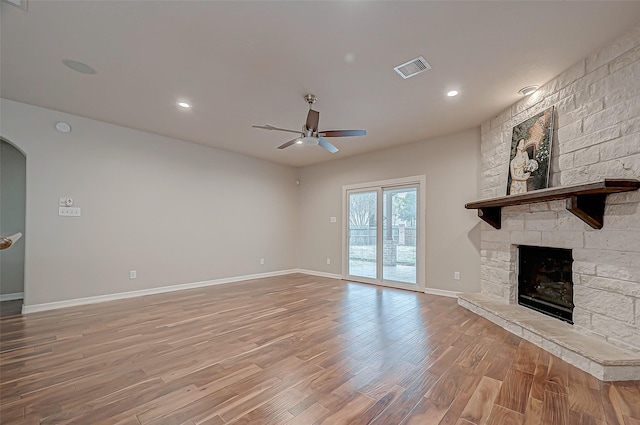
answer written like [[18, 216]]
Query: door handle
[[6, 242]]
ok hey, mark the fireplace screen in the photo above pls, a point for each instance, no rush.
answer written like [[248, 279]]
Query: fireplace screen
[[545, 281]]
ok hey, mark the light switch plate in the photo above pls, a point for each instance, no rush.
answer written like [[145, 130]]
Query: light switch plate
[[69, 211]]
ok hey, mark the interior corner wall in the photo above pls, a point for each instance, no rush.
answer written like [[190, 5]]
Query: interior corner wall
[[451, 165], [175, 212], [12, 216]]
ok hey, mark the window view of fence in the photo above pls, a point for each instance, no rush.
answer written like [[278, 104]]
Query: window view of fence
[[363, 234], [398, 234]]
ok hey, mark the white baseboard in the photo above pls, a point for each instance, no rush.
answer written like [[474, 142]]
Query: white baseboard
[[122, 295], [163, 289], [441, 292], [11, 297], [321, 274]]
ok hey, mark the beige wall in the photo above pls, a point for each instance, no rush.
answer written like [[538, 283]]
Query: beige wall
[[179, 213], [174, 212], [451, 165], [12, 205]]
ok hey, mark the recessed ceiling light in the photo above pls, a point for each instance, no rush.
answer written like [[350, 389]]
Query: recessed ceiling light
[[63, 127], [79, 66], [452, 93], [184, 105], [526, 91]]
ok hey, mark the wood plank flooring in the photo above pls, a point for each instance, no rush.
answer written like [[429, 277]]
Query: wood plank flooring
[[294, 349]]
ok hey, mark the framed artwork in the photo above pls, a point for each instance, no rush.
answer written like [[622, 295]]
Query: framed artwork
[[529, 161]]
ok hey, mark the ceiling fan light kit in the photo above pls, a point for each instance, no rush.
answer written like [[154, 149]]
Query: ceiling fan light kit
[[309, 141], [310, 136]]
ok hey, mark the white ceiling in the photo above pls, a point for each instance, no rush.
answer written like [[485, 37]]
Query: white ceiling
[[242, 63]]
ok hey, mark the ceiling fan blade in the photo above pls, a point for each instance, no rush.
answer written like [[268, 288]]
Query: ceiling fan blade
[[313, 117], [270, 127], [289, 143], [343, 133], [324, 143]]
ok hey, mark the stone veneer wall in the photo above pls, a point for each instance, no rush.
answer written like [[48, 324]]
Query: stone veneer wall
[[596, 135]]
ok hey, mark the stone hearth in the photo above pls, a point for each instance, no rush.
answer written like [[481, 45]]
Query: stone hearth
[[595, 356]]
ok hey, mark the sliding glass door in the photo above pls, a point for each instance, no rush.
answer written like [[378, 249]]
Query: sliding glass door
[[382, 239], [399, 225]]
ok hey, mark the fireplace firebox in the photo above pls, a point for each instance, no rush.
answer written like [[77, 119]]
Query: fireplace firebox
[[545, 281]]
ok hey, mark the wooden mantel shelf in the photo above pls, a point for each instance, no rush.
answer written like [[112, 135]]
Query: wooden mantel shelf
[[585, 201]]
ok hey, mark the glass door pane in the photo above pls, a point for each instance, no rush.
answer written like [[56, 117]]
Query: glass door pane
[[362, 237], [399, 231]]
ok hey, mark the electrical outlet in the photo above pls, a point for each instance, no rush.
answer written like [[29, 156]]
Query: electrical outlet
[[262, 261], [328, 260], [133, 274], [332, 219], [456, 275]]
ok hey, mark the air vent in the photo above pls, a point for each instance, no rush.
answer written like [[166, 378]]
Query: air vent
[[413, 67]]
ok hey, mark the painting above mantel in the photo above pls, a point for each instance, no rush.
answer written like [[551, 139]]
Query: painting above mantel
[[531, 154]]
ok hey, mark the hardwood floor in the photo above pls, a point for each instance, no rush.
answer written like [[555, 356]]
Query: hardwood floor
[[295, 349]]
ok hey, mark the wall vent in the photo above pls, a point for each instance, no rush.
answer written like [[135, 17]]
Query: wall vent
[[413, 67]]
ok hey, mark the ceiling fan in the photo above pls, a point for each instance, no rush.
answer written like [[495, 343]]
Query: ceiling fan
[[310, 134]]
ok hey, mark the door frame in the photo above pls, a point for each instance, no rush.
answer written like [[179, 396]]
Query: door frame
[[421, 182]]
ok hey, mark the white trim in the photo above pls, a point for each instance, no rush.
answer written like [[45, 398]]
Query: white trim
[[11, 297], [401, 181], [26, 309], [441, 292], [111, 297], [316, 273], [385, 284]]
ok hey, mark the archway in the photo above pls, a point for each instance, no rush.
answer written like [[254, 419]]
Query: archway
[[12, 221]]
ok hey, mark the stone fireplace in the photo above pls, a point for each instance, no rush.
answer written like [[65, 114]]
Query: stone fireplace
[[545, 281], [596, 136]]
